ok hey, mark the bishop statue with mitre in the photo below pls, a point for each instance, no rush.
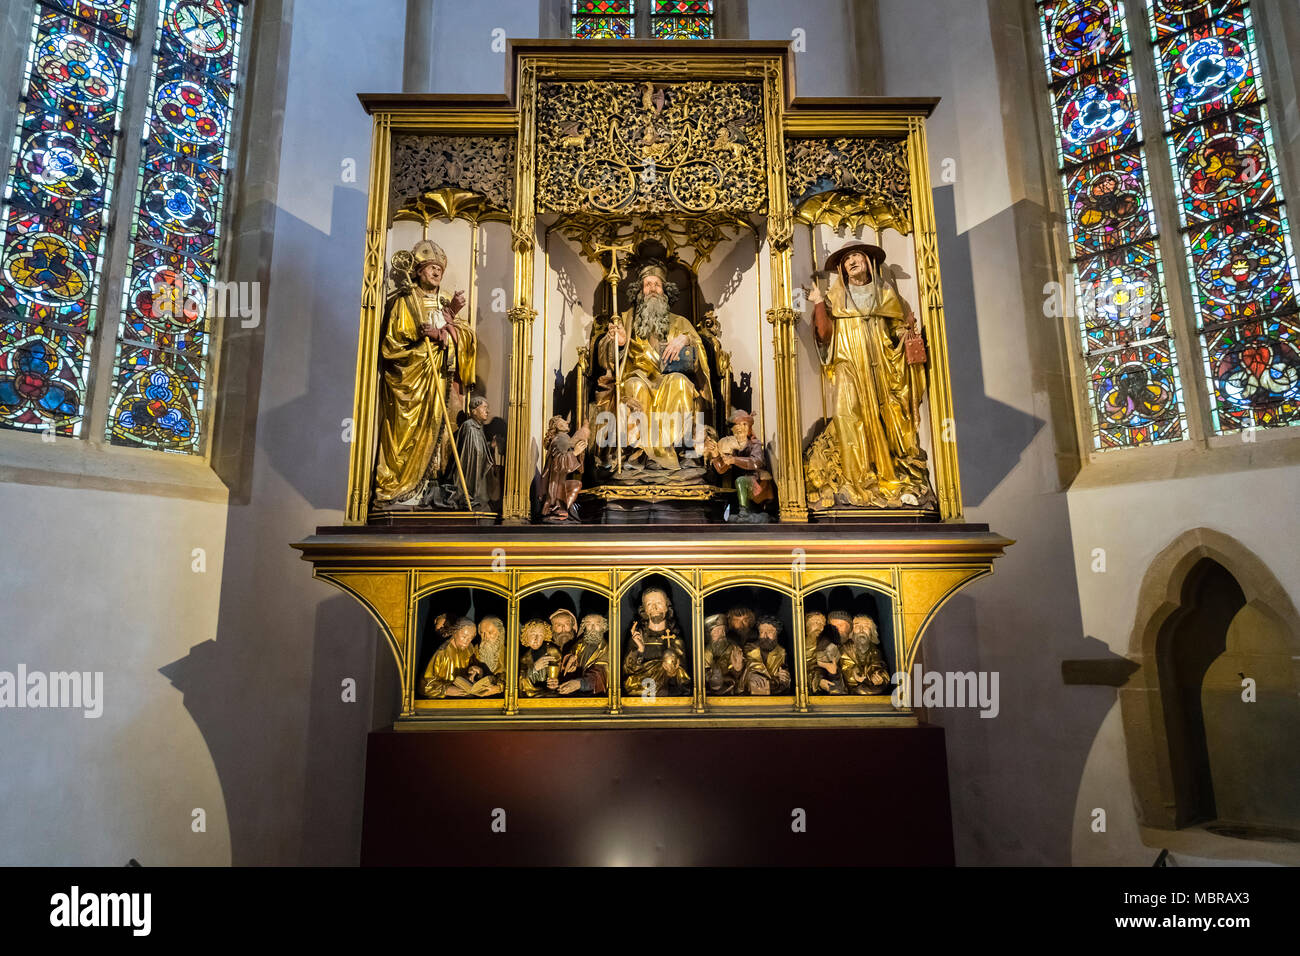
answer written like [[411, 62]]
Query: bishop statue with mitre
[[428, 354]]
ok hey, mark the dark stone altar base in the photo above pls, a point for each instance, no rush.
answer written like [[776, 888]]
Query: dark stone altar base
[[673, 797]]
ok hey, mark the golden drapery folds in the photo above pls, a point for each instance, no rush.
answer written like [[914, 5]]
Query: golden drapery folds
[[413, 442], [448, 663], [868, 455], [669, 401]]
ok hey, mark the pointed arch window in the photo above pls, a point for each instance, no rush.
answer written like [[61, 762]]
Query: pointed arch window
[[1227, 250], [77, 226]]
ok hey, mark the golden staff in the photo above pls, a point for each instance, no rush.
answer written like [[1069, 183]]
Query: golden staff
[[612, 276]]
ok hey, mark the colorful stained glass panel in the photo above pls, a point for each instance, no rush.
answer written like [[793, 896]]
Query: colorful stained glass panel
[[1174, 16], [1096, 113], [681, 28], [1109, 204], [167, 301], [204, 36], [1224, 166], [76, 70], [157, 400], [1209, 69], [49, 269], [117, 15], [1121, 297], [603, 28], [61, 167], [1080, 35], [1254, 374], [1136, 398], [1242, 268], [189, 116], [179, 204], [43, 373], [683, 7], [602, 7]]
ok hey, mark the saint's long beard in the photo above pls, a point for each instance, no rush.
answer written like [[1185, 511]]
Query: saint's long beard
[[651, 319]]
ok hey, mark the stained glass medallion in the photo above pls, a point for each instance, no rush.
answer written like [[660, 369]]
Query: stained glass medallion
[[1081, 34], [1242, 268], [115, 15], [1254, 374], [1224, 166], [1108, 201], [1209, 69], [1173, 16], [1096, 113], [1121, 297], [1136, 397]]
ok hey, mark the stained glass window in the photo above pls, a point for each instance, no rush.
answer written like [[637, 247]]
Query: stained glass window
[[55, 210], [666, 19], [164, 341], [603, 19], [682, 19], [1240, 256], [1130, 358]]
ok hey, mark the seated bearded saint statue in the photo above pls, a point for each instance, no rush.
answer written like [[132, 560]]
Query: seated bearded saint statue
[[655, 372]]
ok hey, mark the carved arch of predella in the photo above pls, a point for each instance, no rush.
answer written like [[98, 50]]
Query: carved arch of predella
[[1161, 598]]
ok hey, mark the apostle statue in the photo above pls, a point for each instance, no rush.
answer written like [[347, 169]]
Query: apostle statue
[[479, 463], [585, 667], [724, 660], [766, 671], [873, 369], [540, 661], [653, 363], [490, 656], [428, 355], [449, 671], [654, 635], [861, 659], [741, 457], [821, 656], [562, 470]]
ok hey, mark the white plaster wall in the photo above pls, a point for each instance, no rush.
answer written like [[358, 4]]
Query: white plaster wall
[[99, 581]]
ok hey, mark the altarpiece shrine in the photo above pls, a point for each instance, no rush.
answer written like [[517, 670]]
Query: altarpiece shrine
[[652, 407]]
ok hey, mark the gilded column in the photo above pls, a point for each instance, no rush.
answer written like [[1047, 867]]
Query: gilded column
[[697, 642], [788, 469], [947, 480], [365, 433], [516, 508]]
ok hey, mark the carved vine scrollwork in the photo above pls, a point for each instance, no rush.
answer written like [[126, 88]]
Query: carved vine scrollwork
[[625, 147], [484, 165], [850, 181], [700, 233]]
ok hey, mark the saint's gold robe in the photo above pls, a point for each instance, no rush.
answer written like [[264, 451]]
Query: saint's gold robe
[[447, 664], [416, 371]]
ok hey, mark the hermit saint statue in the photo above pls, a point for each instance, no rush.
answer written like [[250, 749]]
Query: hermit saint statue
[[654, 636], [428, 364], [873, 370], [655, 372]]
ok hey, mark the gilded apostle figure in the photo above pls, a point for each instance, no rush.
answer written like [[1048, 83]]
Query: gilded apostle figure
[[428, 365], [873, 370], [653, 365]]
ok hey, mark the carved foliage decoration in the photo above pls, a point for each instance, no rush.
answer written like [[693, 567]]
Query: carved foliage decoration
[[481, 164], [630, 147], [850, 181], [699, 233]]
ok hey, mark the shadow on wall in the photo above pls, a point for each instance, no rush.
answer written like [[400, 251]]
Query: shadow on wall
[[1014, 777], [267, 693], [991, 435]]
